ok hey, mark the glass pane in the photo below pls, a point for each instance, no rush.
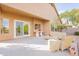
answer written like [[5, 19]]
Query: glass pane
[[19, 28], [5, 24], [26, 29]]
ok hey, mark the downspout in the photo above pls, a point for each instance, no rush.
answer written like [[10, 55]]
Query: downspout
[[53, 5]]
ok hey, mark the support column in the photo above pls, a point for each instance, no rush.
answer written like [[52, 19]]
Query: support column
[[47, 28]]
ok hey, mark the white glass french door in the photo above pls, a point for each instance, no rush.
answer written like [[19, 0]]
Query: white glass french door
[[21, 28]]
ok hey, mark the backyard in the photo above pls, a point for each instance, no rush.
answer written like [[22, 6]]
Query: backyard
[[30, 35]]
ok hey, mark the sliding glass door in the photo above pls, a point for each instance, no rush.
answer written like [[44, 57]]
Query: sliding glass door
[[21, 28]]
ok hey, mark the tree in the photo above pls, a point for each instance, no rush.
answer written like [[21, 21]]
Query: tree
[[73, 16], [25, 29], [18, 29]]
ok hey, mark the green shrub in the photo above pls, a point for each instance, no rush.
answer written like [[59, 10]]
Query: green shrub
[[58, 27], [77, 33]]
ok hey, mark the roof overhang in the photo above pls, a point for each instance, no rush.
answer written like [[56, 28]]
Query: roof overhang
[[6, 8], [40, 10]]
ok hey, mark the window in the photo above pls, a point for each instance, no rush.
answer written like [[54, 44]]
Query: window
[[37, 27], [5, 26], [21, 28]]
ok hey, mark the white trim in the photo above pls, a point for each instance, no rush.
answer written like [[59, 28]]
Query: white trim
[[23, 28], [14, 29]]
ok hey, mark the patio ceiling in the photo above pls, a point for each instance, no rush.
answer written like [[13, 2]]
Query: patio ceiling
[[8, 9], [41, 10]]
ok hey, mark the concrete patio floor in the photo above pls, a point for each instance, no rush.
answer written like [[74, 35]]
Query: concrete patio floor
[[27, 47]]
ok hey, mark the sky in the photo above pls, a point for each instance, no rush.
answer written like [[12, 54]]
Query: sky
[[5, 23], [61, 7]]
